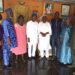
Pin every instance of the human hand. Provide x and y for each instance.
(43, 34)
(28, 39)
(9, 41)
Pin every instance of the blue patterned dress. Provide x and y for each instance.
(8, 32)
(65, 56)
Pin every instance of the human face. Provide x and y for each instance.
(34, 18)
(44, 19)
(21, 21)
(56, 15)
(10, 15)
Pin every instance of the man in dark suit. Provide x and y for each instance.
(57, 26)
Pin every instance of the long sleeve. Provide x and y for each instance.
(62, 25)
(38, 28)
(50, 30)
(4, 25)
(27, 30)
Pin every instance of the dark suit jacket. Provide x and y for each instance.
(56, 28)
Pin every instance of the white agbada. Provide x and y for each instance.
(44, 42)
(32, 33)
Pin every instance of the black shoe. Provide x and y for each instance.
(7, 67)
(29, 58)
(33, 57)
(41, 58)
(54, 57)
(50, 58)
(73, 69)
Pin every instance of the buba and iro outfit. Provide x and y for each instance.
(21, 40)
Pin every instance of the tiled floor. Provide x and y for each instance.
(37, 67)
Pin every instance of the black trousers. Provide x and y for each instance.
(55, 42)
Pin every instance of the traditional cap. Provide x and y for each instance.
(8, 11)
(34, 14)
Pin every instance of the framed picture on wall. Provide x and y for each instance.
(65, 10)
(48, 8)
(1, 6)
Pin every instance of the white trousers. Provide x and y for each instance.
(44, 53)
(31, 49)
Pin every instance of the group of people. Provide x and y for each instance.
(45, 36)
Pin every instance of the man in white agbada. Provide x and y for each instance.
(44, 31)
(32, 35)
